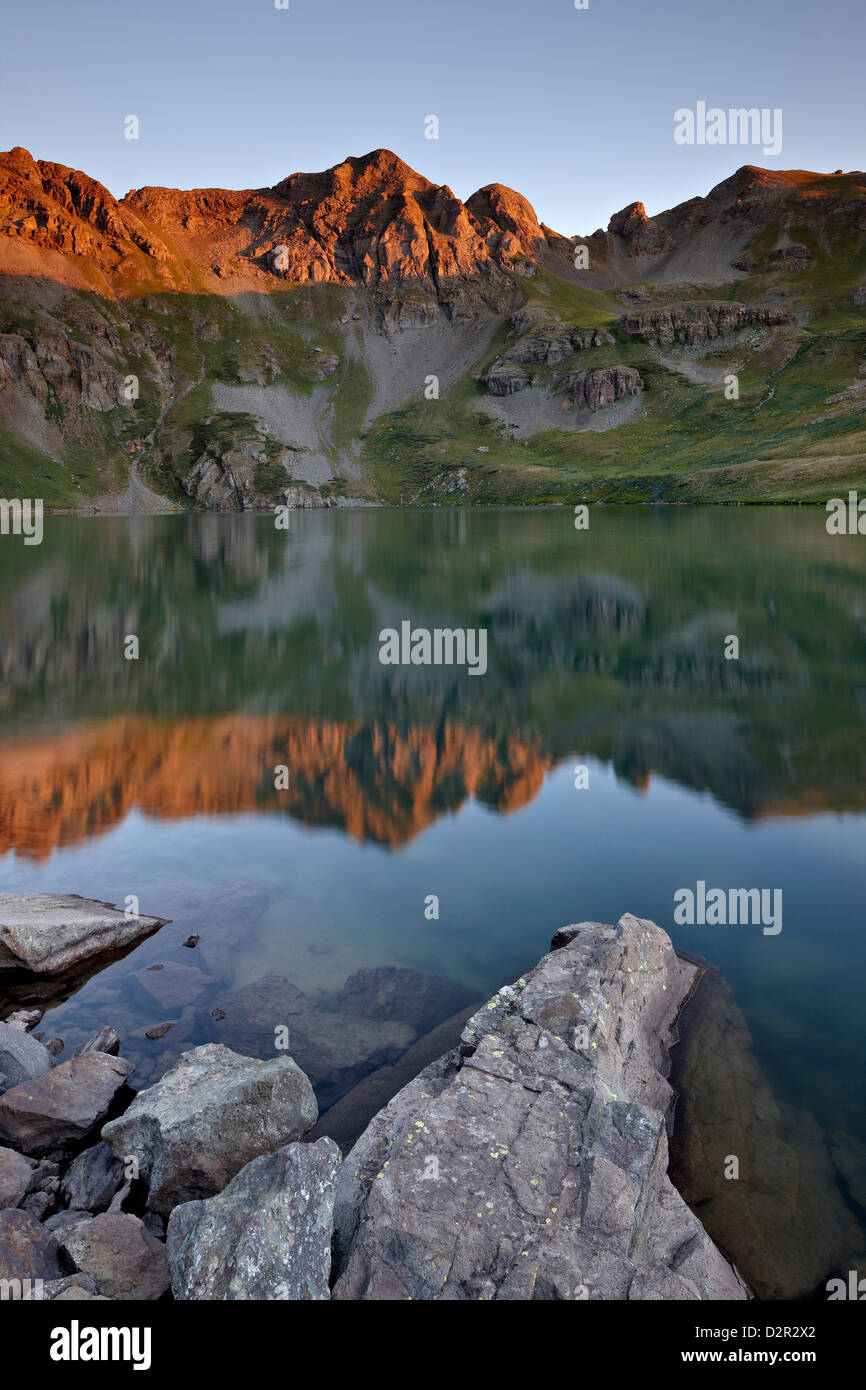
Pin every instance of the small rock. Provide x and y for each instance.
(63, 1219)
(192, 941)
(117, 1201)
(123, 1259)
(159, 1031)
(38, 1204)
(55, 1046)
(73, 1286)
(92, 1179)
(22, 1057)
(15, 1174)
(27, 1250)
(24, 1019)
(154, 1223)
(106, 1040)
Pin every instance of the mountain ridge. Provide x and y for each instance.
(362, 334)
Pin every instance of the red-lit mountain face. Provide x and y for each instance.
(367, 221)
(363, 333)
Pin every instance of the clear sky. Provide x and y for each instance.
(574, 108)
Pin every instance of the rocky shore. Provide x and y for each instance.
(518, 1151)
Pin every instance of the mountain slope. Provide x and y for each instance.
(362, 334)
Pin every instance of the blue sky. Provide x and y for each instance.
(572, 108)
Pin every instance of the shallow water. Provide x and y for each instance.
(259, 648)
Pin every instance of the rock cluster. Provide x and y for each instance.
(602, 387)
(544, 345)
(527, 1162)
(699, 323)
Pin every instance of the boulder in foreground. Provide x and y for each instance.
(531, 1162)
(266, 1236)
(207, 1117)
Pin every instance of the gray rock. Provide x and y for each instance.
(266, 1236)
(117, 1201)
(107, 1040)
(159, 1031)
(22, 1058)
(16, 1172)
(45, 1176)
(207, 1117)
(50, 932)
(61, 1108)
(62, 1219)
(24, 1019)
(92, 1179)
(122, 1258)
(27, 1250)
(531, 1162)
(154, 1223)
(38, 1204)
(76, 1294)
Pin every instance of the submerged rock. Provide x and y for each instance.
(531, 1162)
(47, 933)
(266, 1236)
(782, 1216)
(207, 1117)
(106, 1039)
(60, 1109)
(405, 996)
(335, 1048)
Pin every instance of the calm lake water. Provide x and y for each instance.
(259, 648)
